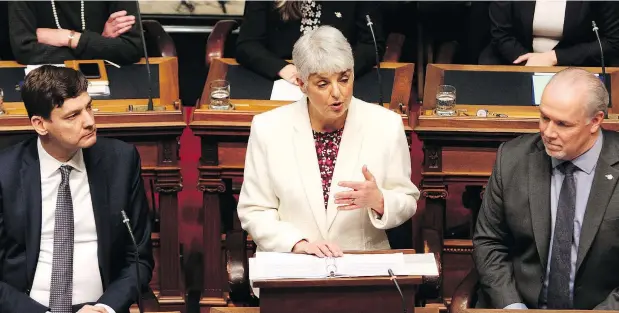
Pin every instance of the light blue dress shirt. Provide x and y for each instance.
(584, 179)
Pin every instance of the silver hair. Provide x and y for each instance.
(597, 95)
(322, 50)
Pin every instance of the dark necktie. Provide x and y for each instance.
(61, 288)
(559, 296)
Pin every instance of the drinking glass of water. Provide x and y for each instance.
(2, 102)
(446, 100)
(220, 95)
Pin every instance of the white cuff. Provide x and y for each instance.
(107, 308)
(516, 306)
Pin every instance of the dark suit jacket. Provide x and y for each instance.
(511, 29)
(115, 184)
(265, 41)
(512, 236)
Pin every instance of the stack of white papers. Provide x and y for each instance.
(98, 88)
(95, 87)
(285, 91)
(272, 265)
(30, 68)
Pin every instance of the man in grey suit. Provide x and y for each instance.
(547, 235)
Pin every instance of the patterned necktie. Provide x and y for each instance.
(61, 288)
(559, 296)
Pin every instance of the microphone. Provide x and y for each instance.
(605, 79)
(150, 106)
(395, 282)
(155, 214)
(137, 258)
(380, 82)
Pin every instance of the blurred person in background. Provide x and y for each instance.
(270, 29)
(549, 33)
(51, 32)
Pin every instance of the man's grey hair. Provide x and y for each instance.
(597, 98)
(323, 50)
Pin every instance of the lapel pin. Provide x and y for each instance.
(609, 177)
(338, 14)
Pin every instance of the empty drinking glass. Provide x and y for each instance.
(220, 95)
(446, 100)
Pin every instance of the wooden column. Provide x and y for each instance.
(211, 184)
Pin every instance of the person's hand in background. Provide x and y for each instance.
(57, 37)
(289, 73)
(538, 59)
(117, 24)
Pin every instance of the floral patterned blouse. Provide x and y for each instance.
(327, 146)
(311, 12)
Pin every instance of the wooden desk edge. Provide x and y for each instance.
(337, 282)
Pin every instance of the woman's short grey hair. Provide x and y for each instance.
(597, 96)
(322, 50)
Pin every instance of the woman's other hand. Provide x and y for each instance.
(320, 249)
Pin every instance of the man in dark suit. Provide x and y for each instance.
(546, 236)
(63, 245)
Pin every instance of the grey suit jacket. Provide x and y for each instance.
(512, 236)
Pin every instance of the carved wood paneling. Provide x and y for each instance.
(435, 193)
(432, 158)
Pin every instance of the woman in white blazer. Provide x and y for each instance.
(356, 149)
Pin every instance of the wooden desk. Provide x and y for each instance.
(154, 133)
(461, 150)
(224, 136)
(334, 295)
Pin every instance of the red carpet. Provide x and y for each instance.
(190, 198)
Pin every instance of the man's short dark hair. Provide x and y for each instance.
(48, 86)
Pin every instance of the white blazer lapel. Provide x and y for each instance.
(346, 164)
(307, 164)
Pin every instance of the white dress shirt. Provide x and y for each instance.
(87, 284)
(548, 22)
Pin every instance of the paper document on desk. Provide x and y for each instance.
(98, 90)
(285, 91)
(540, 80)
(29, 68)
(272, 265)
(423, 264)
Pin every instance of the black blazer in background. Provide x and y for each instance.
(26, 16)
(512, 236)
(265, 41)
(115, 184)
(511, 30)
